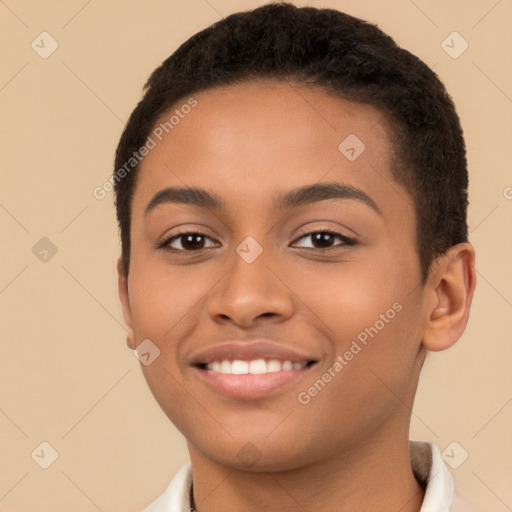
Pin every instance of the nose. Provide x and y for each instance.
(249, 294)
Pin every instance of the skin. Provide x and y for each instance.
(347, 449)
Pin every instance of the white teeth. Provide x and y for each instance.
(239, 367)
(225, 367)
(258, 366)
(287, 365)
(273, 366)
(254, 367)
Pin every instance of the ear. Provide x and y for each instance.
(452, 282)
(124, 297)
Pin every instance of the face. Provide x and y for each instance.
(284, 296)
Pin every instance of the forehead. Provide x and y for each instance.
(266, 136)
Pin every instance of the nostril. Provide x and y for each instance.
(267, 314)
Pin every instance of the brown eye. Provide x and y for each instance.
(188, 242)
(325, 239)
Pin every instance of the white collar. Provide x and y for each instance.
(426, 462)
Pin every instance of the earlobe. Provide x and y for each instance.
(452, 281)
(124, 297)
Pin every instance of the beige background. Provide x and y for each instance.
(67, 377)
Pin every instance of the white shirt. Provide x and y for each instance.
(426, 462)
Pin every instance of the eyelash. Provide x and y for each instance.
(346, 241)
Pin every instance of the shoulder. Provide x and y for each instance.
(432, 472)
(176, 498)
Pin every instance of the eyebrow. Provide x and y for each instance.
(186, 195)
(320, 192)
(297, 197)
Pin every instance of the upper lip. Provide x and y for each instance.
(250, 350)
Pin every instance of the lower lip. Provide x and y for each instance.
(251, 386)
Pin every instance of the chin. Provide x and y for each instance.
(257, 454)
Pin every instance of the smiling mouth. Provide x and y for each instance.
(253, 366)
(252, 370)
(252, 379)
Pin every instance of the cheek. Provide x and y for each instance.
(369, 378)
(162, 297)
(164, 302)
(347, 297)
(371, 318)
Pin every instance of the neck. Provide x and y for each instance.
(363, 478)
